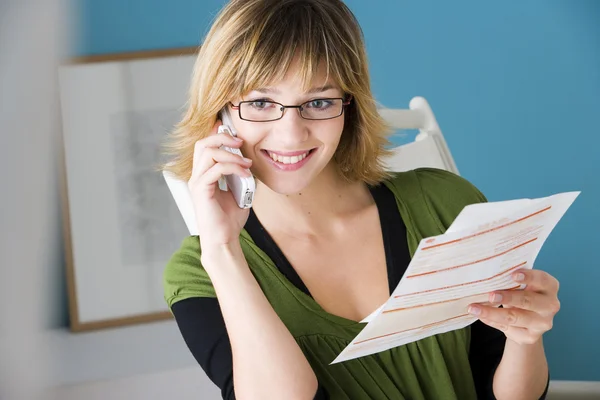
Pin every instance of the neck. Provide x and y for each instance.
(317, 209)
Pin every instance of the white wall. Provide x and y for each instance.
(190, 384)
(182, 384)
(31, 41)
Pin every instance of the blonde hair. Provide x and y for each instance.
(252, 43)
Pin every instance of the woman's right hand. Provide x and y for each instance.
(219, 218)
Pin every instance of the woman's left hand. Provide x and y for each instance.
(525, 314)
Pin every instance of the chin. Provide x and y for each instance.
(286, 185)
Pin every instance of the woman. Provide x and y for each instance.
(265, 299)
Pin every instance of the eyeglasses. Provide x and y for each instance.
(265, 111)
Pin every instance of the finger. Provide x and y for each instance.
(536, 280)
(211, 156)
(517, 334)
(213, 141)
(512, 317)
(527, 300)
(215, 172)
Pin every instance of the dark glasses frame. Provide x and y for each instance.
(345, 102)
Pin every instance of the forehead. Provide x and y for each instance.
(299, 79)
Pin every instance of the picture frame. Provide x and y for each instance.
(120, 223)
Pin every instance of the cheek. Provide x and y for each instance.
(334, 132)
(248, 149)
(251, 135)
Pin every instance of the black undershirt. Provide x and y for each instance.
(203, 328)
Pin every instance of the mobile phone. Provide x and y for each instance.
(242, 188)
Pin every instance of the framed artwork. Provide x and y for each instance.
(121, 224)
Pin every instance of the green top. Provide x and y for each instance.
(436, 367)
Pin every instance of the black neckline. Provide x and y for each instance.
(395, 243)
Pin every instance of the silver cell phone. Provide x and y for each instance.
(242, 188)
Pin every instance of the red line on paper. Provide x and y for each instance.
(473, 262)
(486, 231)
(463, 284)
(443, 301)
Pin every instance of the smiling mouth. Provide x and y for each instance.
(288, 159)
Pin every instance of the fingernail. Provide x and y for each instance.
(247, 160)
(519, 277)
(237, 139)
(474, 310)
(496, 298)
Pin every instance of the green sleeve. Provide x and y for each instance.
(446, 194)
(184, 276)
(430, 199)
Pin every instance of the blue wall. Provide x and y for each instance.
(514, 87)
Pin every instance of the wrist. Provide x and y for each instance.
(516, 353)
(525, 346)
(220, 254)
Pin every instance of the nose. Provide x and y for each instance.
(292, 129)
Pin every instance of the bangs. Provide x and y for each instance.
(292, 32)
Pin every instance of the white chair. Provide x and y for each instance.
(428, 150)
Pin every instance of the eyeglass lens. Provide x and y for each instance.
(261, 110)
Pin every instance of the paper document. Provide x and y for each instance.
(478, 254)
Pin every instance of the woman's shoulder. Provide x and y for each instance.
(437, 192)
(184, 276)
(435, 182)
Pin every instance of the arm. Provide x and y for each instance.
(526, 315)
(201, 324)
(522, 373)
(267, 361)
(500, 371)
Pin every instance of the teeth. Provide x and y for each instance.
(288, 160)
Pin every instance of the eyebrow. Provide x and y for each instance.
(320, 89)
(310, 91)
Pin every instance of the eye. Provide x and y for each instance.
(319, 104)
(260, 104)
